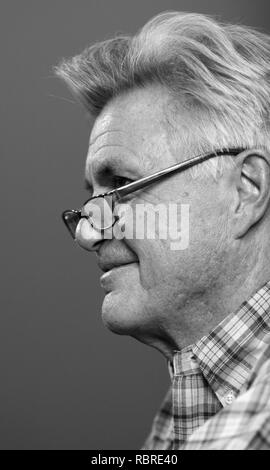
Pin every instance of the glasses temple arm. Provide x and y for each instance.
(143, 182)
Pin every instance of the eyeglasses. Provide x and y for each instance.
(99, 210)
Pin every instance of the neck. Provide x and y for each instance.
(200, 314)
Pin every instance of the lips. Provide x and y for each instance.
(114, 255)
(106, 265)
(117, 277)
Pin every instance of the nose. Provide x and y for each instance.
(86, 236)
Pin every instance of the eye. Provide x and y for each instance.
(119, 181)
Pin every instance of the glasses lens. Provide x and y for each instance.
(71, 220)
(99, 211)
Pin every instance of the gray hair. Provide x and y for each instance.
(220, 71)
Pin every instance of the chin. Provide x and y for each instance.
(120, 314)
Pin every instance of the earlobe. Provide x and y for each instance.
(253, 191)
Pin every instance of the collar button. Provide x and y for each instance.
(229, 398)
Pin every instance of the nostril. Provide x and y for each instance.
(86, 236)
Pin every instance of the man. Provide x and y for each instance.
(185, 86)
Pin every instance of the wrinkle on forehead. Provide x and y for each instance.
(135, 121)
(108, 123)
(94, 139)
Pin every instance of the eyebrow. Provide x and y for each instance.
(104, 168)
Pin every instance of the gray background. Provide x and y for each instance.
(66, 382)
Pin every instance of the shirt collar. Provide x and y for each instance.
(227, 355)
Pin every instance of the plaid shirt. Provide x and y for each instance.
(220, 392)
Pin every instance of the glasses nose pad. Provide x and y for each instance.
(86, 236)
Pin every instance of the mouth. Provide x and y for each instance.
(106, 266)
(113, 274)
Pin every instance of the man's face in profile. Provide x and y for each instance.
(147, 283)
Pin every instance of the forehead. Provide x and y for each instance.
(139, 112)
(132, 122)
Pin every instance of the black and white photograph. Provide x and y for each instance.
(135, 234)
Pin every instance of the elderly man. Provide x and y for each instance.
(182, 116)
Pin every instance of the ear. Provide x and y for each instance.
(252, 185)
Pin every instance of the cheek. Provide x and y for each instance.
(203, 261)
(208, 222)
(156, 262)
